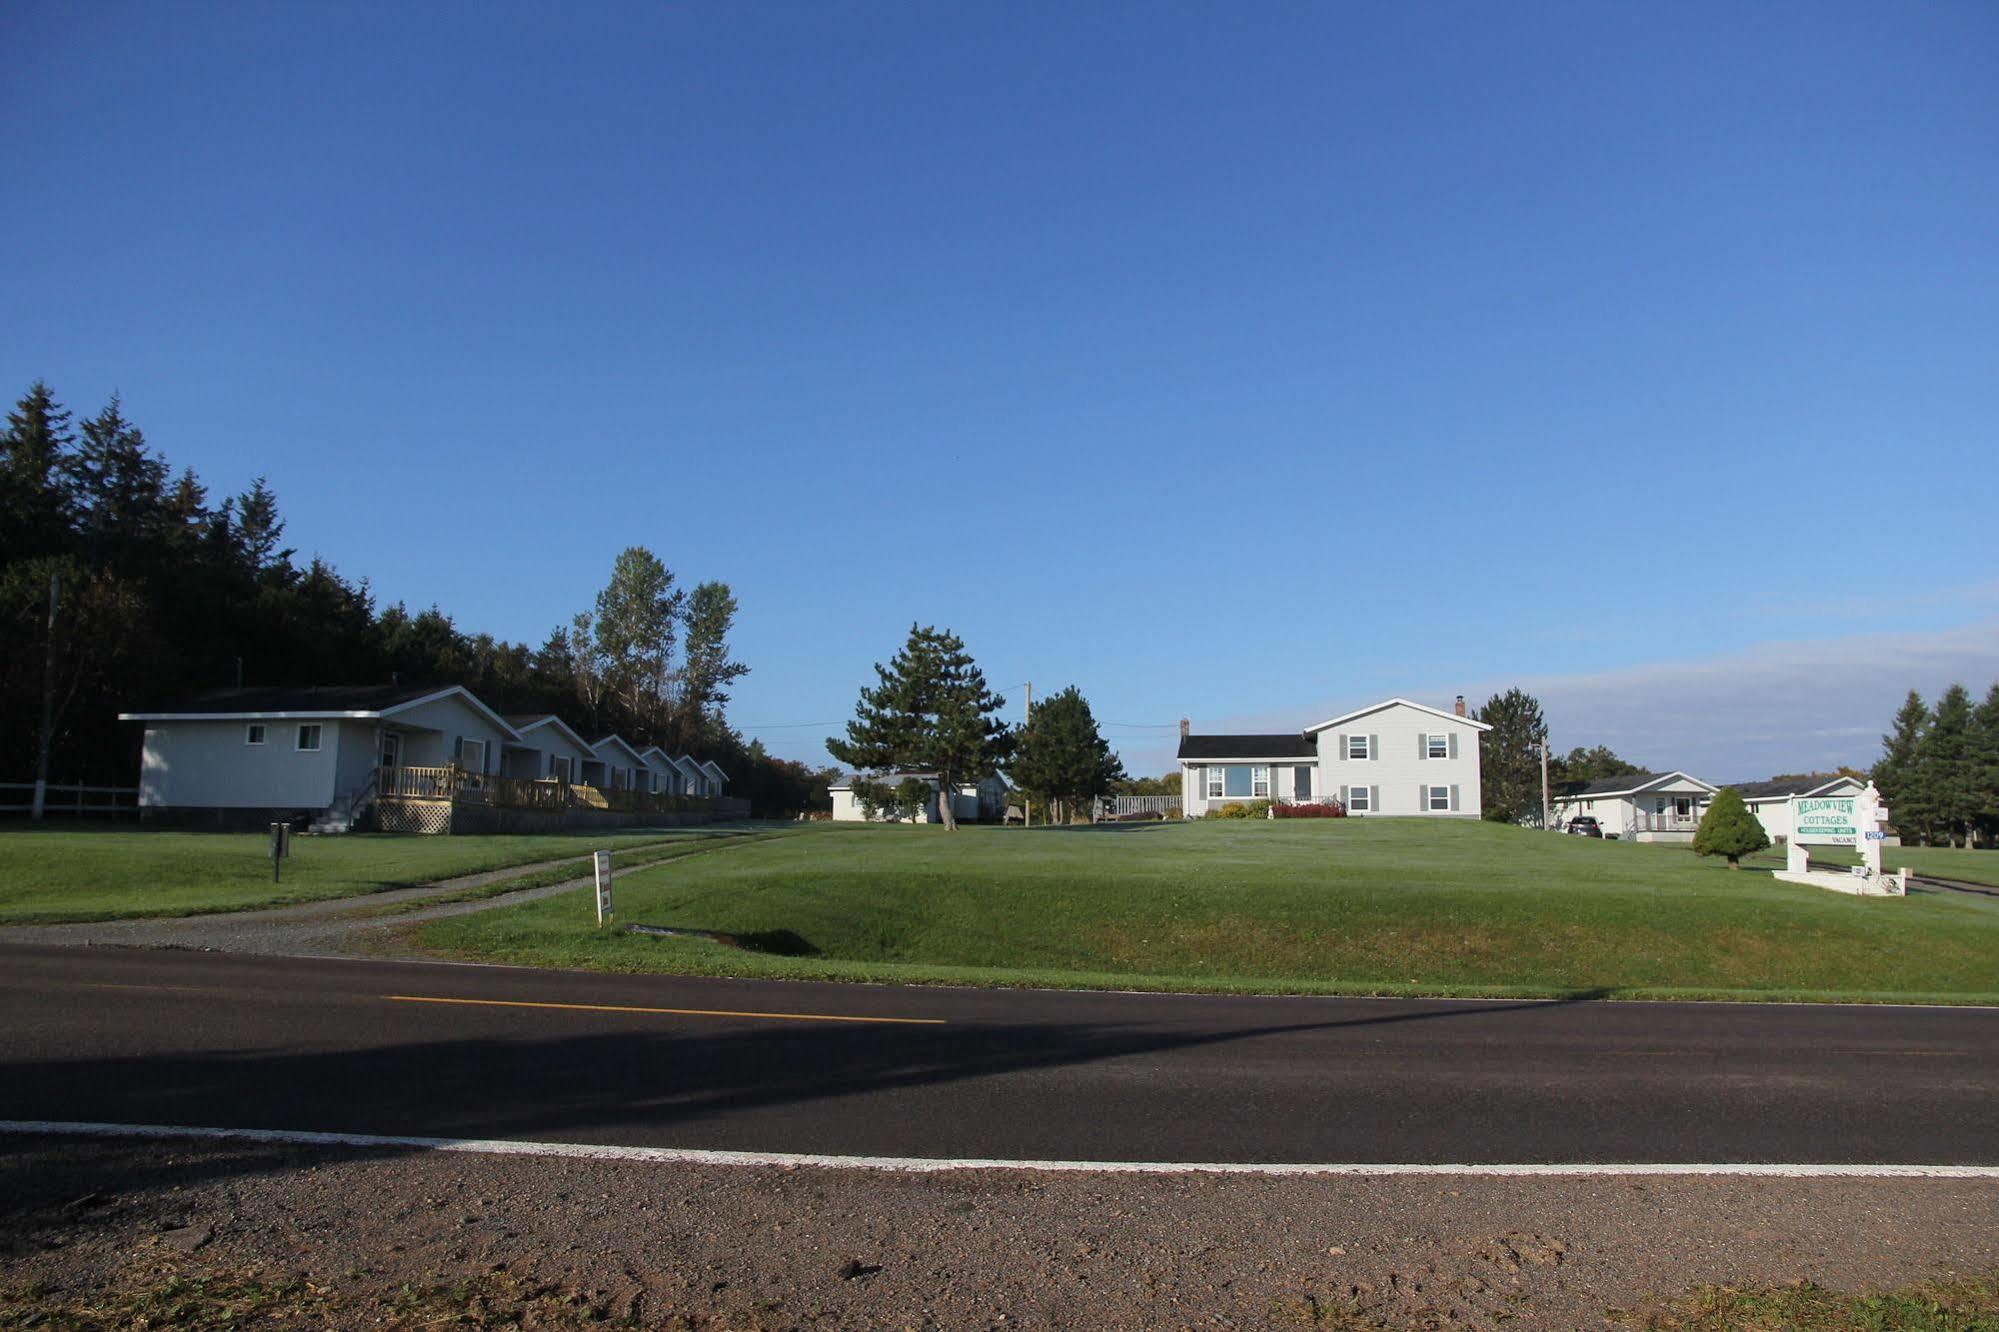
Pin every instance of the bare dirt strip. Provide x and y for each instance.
(341, 1237)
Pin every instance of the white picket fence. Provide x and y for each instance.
(73, 801)
(1166, 806)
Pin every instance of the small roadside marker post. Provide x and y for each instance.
(281, 846)
(601, 862)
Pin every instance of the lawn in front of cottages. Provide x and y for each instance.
(58, 874)
(1390, 906)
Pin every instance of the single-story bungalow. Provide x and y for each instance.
(616, 765)
(1395, 757)
(664, 777)
(983, 801)
(693, 781)
(254, 754)
(549, 750)
(1644, 807)
(1770, 801)
(717, 779)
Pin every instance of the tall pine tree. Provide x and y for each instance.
(931, 712)
(1895, 771)
(1061, 756)
(1985, 765)
(1946, 776)
(1510, 757)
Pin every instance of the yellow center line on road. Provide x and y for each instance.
(674, 1012)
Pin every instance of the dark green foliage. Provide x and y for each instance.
(893, 801)
(1946, 773)
(930, 712)
(1061, 756)
(1985, 765)
(1166, 785)
(1511, 764)
(1894, 773)
(1587, 765)
(164, 593)
(1729, 829)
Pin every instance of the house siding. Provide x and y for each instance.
(1396, 771)
(206, 765)
(1194, 800)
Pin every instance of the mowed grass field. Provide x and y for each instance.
(1938, 861)
(60, 874)
(1382, 906)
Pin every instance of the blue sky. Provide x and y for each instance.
(1232, 362)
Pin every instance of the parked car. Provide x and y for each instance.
(1583, 825)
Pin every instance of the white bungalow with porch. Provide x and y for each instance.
(615, 765)
(549, 750)
(1770, 801)
(250, 755)
(1644, 807)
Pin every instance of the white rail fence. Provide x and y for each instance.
(1166, 806)
(73, 801)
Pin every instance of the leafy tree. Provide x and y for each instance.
(930, 712)
(710, 614)
(1060, 756)
(1729, 829)
(1510, 758)
(1165, 785)
(1588, 765)
(906, 799)
(637, 626)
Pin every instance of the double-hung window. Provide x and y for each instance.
(1259, 783)
(308, 737)
(1357, 800)
(1356, 746)
(1437, 746)
(1440, 797)
(253, 734)
(1214, 783)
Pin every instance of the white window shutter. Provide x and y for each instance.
(1341, 752)
(1454, 744)
(1454, 798)
(1374, 746)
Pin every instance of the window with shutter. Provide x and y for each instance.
(1454, 744)
(1439, 746)
(1374, 746)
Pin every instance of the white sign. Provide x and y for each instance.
(1825, 820)
(601, 862)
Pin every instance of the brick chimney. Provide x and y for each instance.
(1186, 728)
(1460, 708)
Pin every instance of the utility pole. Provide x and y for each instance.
(48, 734)
(1547, 811)
(1026, 716)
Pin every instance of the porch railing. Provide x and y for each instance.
(485, 788)
(1643, 821)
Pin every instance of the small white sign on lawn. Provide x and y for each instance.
(601, 861)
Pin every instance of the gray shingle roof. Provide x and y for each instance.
(1788, 787)
(1610, 785)
(1291, 745)
(317, 698)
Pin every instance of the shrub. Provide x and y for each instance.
(1729, 829)
(1257, 809)
(1235, 809)
(1312, 809)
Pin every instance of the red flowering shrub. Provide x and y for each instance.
(1317, 809)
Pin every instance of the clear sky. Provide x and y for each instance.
(1237, 362)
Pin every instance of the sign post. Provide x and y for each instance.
(1859, 821)
(601, 862)
(281, 847)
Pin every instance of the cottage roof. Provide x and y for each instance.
(314, 702)
(1291, 745)
(1812, 784)
(1630, 784)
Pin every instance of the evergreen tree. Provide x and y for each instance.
(1729, 829)
(35, 497)
(1510, 757)
(255, 529)
(120, 488)
(1946, 777)
(931, 712)
(1061, 756)
(1985, 765)
(1895, 771)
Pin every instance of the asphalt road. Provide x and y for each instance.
(186, 1038)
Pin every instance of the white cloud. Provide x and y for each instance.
(1775, 707)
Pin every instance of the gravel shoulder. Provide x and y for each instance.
(752, 1248)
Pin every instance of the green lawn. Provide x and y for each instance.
(61, 874)
(1358, 905)
(1940, 861)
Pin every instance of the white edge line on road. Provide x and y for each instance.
(927, 1165)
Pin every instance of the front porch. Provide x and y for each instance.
(455, 799)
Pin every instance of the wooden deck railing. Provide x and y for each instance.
(486, 788)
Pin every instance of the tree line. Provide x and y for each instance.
(124, 582)
(1939, 769)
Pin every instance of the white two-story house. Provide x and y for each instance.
(1393, 758)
